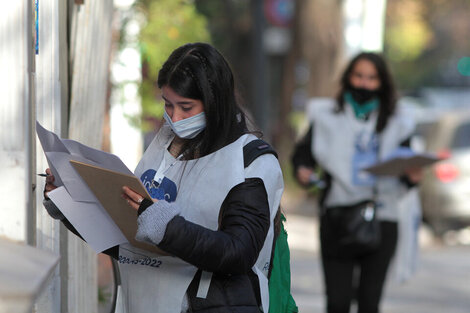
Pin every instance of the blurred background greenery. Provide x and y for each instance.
(424, 41)
(284, 52)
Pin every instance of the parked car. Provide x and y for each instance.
(445, 188)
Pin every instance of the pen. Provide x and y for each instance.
(43, 175)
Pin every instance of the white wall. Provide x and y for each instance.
(15, 110)
(36, 87)
(51, 108)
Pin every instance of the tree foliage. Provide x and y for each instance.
(408, 33)
(168, 24)
(424, 41)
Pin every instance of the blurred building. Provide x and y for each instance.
(363, 25)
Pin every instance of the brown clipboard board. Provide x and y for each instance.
(398, 166)
(107, 185)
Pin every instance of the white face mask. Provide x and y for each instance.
(189, 127)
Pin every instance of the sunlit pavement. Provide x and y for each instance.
(306, 276)
(441, 283)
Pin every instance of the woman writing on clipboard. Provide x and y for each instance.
(209, 212)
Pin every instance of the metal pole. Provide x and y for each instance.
(30, 151)
(260, 95)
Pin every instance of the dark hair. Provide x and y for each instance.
(198, 71)
(386, 93)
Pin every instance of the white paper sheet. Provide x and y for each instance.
(111, 161)
(90, 220)
(59, 152)
(70, 179)
(73, 197)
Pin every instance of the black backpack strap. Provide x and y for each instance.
(251, 151)
(254, 149)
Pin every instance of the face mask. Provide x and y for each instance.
(189, 127)
(362, 110)
(362, 95)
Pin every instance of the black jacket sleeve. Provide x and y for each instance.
(302, 155)
(235, 246)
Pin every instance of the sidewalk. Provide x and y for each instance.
(440, 284)
(302, 229)
(300, 211)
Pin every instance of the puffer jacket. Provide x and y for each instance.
(229, 253)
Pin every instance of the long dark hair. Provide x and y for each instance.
(386, 93)
(198, 71)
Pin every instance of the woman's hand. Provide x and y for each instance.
(303, 175)
(49, 183)
(133, 198)
(414, 174)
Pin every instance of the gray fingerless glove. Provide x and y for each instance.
(152, 222)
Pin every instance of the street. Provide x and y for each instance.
(440, 284)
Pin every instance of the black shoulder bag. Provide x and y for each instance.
(353, 229)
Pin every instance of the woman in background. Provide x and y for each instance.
(362, 125)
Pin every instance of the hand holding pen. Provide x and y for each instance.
(49, 182)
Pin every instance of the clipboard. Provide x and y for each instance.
(397, 166)
(107, 185)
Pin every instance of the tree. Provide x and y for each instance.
(167, 25)
(311, 66)
(425, 39)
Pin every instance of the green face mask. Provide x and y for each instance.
(362, 110)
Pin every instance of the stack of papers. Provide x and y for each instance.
(89, 195)
(400, 161)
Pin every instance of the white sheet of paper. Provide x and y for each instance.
(71, 180)
(59, 152)
(73, 197)
(97, 157)
(89, 219)
(49, 140)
